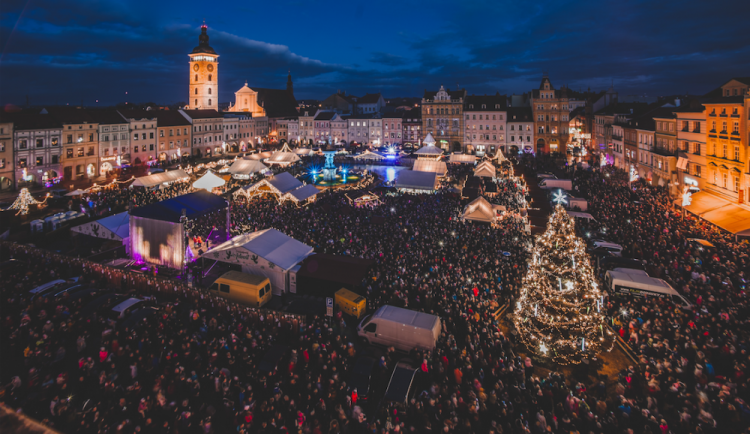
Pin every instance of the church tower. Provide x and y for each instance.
(289, 85)
(204, 75)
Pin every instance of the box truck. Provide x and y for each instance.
(565, 184)
(400, 328)
(248, 289)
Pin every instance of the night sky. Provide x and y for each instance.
(59, 52)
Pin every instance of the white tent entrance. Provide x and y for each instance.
(269, 253)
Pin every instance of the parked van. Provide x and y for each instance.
(614, 249)
(350, 303)
(400, 328)
(565, 184)
(637, 283)
(248, 289)
(124, 309)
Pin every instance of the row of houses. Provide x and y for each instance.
(47, 146)
(684, 144)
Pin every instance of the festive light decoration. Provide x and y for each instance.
(559, 197)
(24, 200)
(559, 312)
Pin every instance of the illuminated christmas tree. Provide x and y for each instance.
(560, 314)
(23, 201)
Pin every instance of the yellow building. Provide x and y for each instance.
(204, 75)
(727, 142)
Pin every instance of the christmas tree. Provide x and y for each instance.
(23, 201)
(560, 313)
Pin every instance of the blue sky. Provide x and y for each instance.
(65, 52)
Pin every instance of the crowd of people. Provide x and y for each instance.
(195, 366)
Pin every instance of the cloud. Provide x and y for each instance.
(387, 59)
(58, 51)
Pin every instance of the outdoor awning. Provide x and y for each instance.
(246, 167)
(269, 244)
(479, 210)
(682, 163)
(209, 181)
(583, 215)
(409, 179)
(114, 227)
(303, 193)
(367, 155)
(160, 178)
(463, 158)
(436, 166)
(485, 169)
(724, 214)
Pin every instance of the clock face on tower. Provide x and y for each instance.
(196, 67)
(210, 68)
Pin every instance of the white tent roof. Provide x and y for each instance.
(283, 156)
(499, 156)
(114, 227)
(429, 140)
(160, 178)
(260, 156)
(209, 181)
(412, 180)
(369, 155)
(305, 192)
(479, 210)
(303, 151)
(269, 244)
(246, 167)
(285, 182)
(486, 169)
(429, 150)
(463, 158)
(436, 166)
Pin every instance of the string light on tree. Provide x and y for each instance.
(23, 201)
(559, 312)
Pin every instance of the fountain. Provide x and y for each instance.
(329, 169)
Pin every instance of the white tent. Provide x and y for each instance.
(485, 169)
(479, 210)
(269, 253)
(209, 181)
(242, 169)
(581, 215)
(436, 166)
(301, 194)
(429, 140)
(279, 185)
(259, 156)
(420, 181)
(367, 155)
(463, 158)
(303, 151)
(499, 156)
(77, 192)
(283, 157)
(160, 178)
(114, 227)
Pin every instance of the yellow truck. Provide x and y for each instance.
(247, 289)
(350, 303)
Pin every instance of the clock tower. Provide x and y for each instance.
(204, 74)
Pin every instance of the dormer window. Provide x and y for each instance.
(471, 106)
(484, 106)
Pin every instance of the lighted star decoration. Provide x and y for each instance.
(559, 197)
(543, 348)
(569, 285)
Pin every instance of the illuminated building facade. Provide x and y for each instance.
(442, 115)
(204, 75)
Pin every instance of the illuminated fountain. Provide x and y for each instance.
(329, 169)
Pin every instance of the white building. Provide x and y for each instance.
(519, 131)
(114, 139)
(37, 145)
(485, 123)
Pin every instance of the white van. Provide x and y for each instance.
(637, 283)
(565, 184)
(124, 309)
(400, 328)
(613, 248)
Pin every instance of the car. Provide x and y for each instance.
(124, 309)
(613, 248)
(55, 288)
(102, 303)
(136, 319)
(400, 387)
(361, 376)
